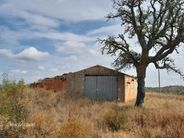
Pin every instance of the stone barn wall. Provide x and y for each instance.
(74, 83)
(130, 88)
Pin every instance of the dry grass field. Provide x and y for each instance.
(46, 114)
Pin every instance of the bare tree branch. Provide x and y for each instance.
(155, 24)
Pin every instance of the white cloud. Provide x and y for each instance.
(39, 21)
(63, 36)
(19, 71)
(54, 69)
(86, 56)
(71, 58)
(6, 52)
(89, 56)
(29, 54)
(110, 30)
(40, 67)
(12, 37)
(70, 10)
(70, 47)
(9, 37)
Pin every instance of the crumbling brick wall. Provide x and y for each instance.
(54, 84)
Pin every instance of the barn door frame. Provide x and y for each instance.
(113, 95)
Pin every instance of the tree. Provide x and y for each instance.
(157, 27)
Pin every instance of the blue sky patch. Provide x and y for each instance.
(44, 38)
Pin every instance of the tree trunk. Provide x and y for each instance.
(140, 91)
(141, 74)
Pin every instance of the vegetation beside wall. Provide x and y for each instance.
(40, 113)
(12, 110)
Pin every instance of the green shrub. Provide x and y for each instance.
(10, 96)
(115, 119)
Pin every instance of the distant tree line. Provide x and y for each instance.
(179, 90)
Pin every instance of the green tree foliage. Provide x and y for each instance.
(156, 26)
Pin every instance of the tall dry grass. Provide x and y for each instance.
(54, 115)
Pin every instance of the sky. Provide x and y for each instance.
(45, 38)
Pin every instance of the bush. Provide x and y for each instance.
(115, 119)
(76, 128)
(167, 124)
(10, 95)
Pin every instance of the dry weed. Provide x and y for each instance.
(53, 115)
(76, 128)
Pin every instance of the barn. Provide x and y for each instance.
(97, 83)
